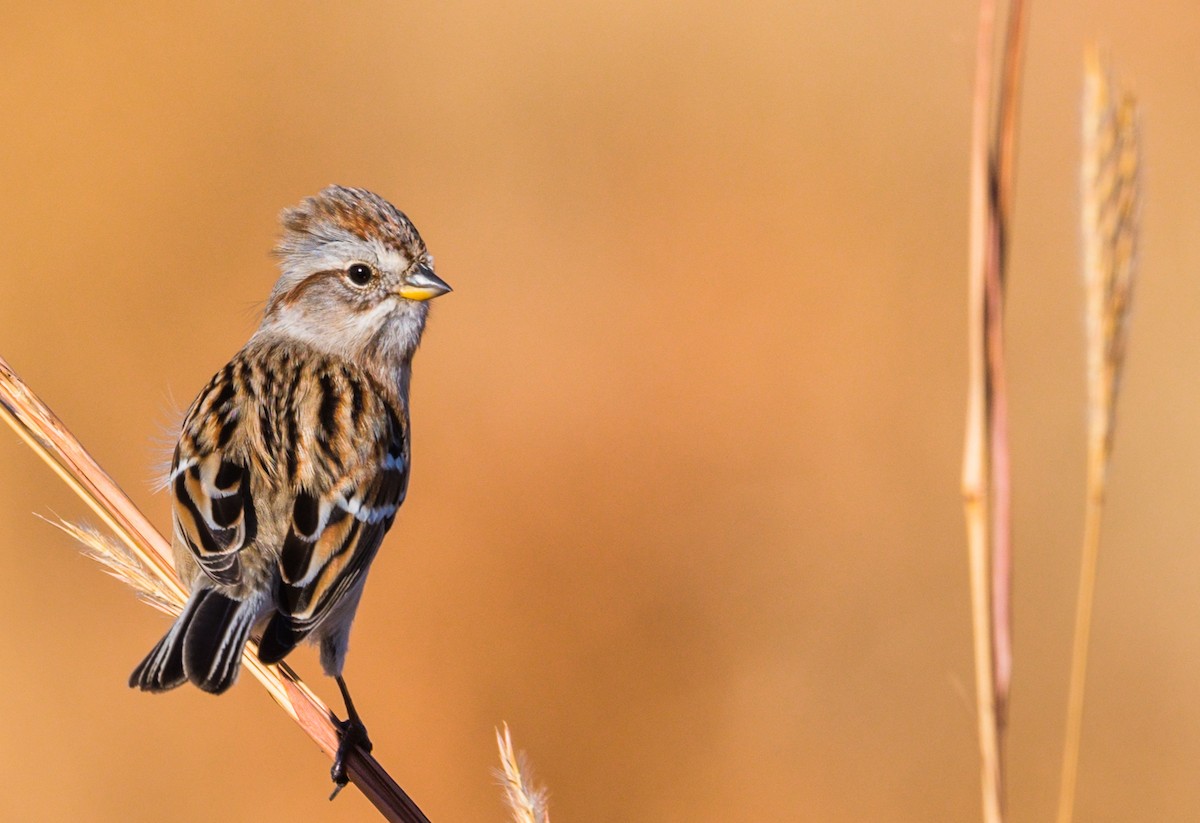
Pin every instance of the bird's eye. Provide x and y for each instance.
(360, 274)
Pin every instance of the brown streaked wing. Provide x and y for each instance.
(213, 507)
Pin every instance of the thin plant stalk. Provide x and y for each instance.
(986, 480)
(1110, 182)
(976, 488)
(33, 421)
(1006, 158)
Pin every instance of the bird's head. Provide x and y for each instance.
(356, 277)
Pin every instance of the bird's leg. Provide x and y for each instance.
(351, 733)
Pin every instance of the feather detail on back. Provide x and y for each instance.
(283, 431)
(293, 437)
(335, 531)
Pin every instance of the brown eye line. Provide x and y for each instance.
(360, 274)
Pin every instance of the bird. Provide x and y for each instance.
(293, 460)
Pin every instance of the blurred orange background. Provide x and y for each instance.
(685, 506)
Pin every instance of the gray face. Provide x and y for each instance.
(356, 277)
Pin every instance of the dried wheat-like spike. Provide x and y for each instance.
(527, 802)
(1111, 184)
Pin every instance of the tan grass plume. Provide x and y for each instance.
(1111, 189)
(120, 562)
(526, 802)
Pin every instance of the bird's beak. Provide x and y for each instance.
(422, 284)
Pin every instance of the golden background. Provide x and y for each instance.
(685, 508)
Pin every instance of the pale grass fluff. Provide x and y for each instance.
(121, 563)
(527, 803)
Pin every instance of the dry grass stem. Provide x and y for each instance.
(142, 561)
(976, 493)
(1110, 179)
(526, 802)
(1005, 153)
(986, 477)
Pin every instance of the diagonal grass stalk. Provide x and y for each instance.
(143, 549)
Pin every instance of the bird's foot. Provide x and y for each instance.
(351, 734)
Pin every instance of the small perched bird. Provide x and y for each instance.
(293, 460)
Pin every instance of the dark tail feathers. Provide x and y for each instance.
(204, 645)
(279, 638)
